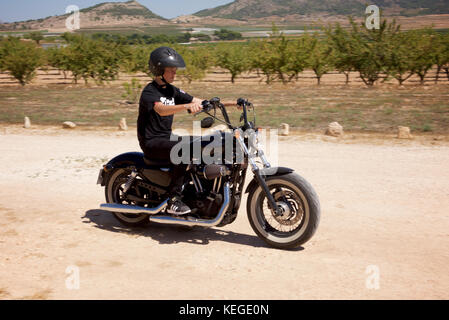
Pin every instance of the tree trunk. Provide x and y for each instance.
(447, 72)
(421, 77)
(347, 77)
(402, 79)
(437, 76)
(369, 82)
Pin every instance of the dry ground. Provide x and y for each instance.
(384, 204)
(304, 106)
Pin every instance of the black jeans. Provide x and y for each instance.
(159, 149)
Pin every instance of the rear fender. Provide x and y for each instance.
(124, 160)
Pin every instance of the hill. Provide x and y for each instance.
(246, 9)
(107, 14)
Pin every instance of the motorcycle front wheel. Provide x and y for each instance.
(300, 211)
(114, 194)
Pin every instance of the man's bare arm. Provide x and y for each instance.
(226, 103)
(194, 107)
(164, 110)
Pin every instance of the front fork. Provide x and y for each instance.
(256, 171)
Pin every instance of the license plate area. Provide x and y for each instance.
(100, 177)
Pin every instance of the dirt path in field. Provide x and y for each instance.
(384, 231)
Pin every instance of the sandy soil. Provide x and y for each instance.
(383, 232)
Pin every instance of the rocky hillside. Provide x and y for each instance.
(105, 14)
(243, 9)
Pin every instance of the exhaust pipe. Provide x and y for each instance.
(124, 208)
(190, 221)
(181, 220)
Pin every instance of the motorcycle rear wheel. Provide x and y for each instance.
(114, 194)
(301, 207)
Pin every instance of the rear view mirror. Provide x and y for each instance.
(207, 122)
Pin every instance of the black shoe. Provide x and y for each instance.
(177, 207)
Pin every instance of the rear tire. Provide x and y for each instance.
(113, 191)
(301, 206)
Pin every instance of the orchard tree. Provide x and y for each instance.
(441, 54)
(368, 49)
(399, 59)
(198, 61)
(263, 59)
(134, 59)
(35, 36)
(20, 59)
(97, 60)
(342, 56)
(272, 56)
(59, 59)
(423, 53)
(233, 58)
(281, 56)
(298, 56)
(320, 58)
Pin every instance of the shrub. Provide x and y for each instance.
(21, 59)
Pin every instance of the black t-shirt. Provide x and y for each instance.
(149, 123)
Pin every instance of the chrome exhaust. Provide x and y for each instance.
(125, 208)
(180, 220)
(190, 221)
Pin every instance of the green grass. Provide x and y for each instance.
(306, 108)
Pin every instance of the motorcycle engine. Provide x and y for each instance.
(209, 207)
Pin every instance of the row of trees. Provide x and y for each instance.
(376, 55)
(98, 60)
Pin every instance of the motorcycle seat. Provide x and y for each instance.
(161, 164)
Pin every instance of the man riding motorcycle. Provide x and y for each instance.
(159, 101)
(283, 208)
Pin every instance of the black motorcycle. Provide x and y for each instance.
(283, 208)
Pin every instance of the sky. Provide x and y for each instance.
(21, 10)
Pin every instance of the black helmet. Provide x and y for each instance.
(163, 57)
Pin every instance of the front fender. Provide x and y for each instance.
(276, 171)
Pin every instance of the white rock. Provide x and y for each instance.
(285, 129)
(122, 125)
(68, 125)
(27, 123)
(404, 133)
(334, 129)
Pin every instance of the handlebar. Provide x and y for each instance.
(215, 103)
(243, 102)
(207, 105)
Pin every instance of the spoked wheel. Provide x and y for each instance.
(114, 194)
(300, 212)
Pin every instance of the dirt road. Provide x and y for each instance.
(384, 230)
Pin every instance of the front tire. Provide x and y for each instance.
(301, 212)
(114, 194)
